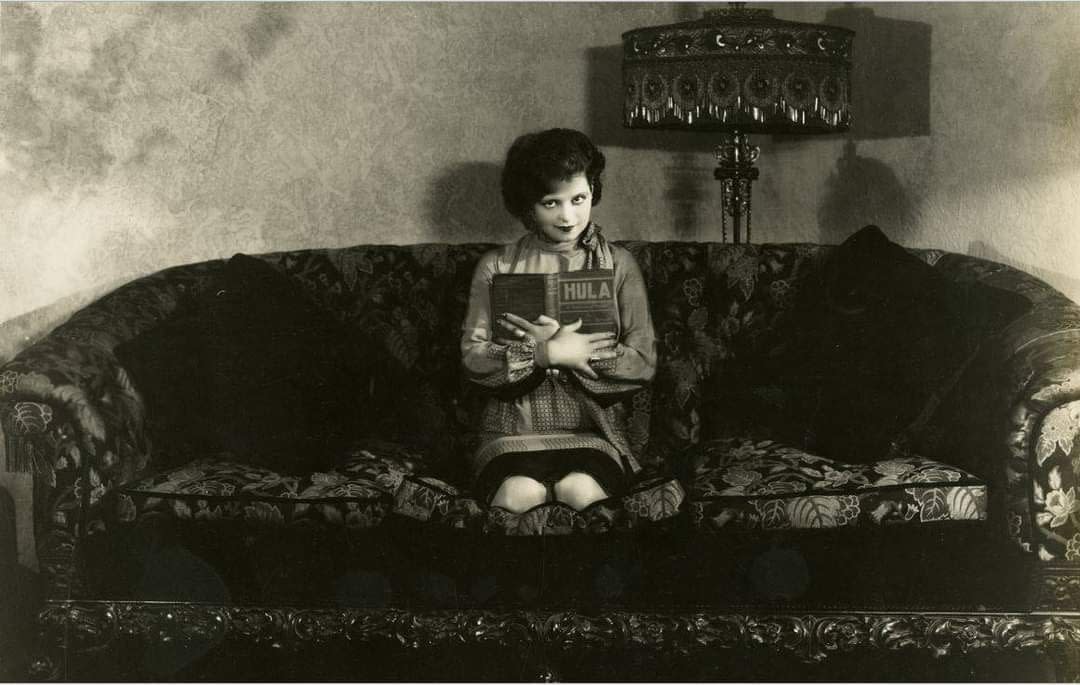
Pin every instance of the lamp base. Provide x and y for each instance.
(735, 170)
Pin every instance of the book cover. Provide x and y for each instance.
(565, 297)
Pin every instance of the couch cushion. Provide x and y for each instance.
(255, 368)
(762, 484)
(357, 494)
(375, 479)
(870, 348)
(409, 301)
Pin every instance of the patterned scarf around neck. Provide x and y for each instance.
(597, 250)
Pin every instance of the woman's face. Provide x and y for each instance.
(563, 214)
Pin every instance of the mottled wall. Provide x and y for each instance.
(995, 174)
(134, 137)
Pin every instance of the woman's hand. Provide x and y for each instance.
(572, 350)
(540, 330)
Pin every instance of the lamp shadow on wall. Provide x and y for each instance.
(861, 191)
(890, 98)
(463, 204)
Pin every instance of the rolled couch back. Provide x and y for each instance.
(711, 304)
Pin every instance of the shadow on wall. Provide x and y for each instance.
(863, 191)
(890, 74)
(465, 200)
(688, 196)
(890, 98)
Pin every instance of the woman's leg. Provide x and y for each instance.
(519, 494)
(579, 490)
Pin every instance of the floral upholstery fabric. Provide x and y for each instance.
(356, 494)
(715, 302)
(761, 484)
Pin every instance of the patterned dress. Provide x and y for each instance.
(533, 410)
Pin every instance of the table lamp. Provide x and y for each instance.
(735, 72)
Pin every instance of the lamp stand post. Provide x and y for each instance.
(735, 170)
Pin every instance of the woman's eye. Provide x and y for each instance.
(579, 199)
(547, 204)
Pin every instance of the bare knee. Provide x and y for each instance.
(519, 494)
(579, 490)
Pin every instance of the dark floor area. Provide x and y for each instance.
(408, 566)
(20, 598)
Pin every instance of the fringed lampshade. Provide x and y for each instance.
(738, 71)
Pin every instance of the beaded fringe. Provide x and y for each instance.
(690, 115)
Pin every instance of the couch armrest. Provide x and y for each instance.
(78, 434)
(1014, 418)
(1043, 469)
(71, 416)
(1036, 384)
(72, 390)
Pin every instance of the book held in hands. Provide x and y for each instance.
(566, 297)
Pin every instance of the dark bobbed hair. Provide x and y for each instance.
(537, 161)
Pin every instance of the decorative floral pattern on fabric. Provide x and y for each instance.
(356, 494)
(751, 483)
(1054, 490)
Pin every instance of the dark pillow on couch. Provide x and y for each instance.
(874, 343)
(254, 367)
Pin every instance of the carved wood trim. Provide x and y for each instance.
(1057, 588)
(96, 625)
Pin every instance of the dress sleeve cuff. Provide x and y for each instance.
(520, 358)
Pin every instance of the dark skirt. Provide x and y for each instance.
(549, 467)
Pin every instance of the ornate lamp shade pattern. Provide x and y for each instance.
(738, 69)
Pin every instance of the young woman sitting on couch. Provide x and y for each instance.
(554, 426)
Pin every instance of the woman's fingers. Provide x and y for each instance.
(586, 370)
(593, 337)
(545, 320)
(516, 331)
(516, 320)
(601, 355)
(520, 326)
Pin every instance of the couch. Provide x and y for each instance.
(958, 535)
